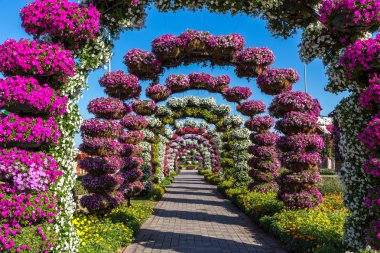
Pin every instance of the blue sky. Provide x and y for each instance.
(254, 31)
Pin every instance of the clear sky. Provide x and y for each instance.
(253, 30)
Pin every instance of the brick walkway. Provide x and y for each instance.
(193, 218)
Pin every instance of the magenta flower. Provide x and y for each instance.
(158, 92)
(237, 93)
(26, 95)
(276, 81)
(28, 132)
(144, 107)
(66, 22)
(134, 122)
(251, 108)
(37, 59)
(295, 101)
(27, 171)
(259, 124)
(143, 64)
(120, 85)
(101, 128)
(108, 108)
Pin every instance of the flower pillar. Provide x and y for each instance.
(301, 148)
(265, 163)
(369, 101)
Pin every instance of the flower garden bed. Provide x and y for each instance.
(116, 230)
(301, 230)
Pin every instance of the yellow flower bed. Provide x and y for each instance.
(113, 231)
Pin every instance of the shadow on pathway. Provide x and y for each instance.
(193, 218)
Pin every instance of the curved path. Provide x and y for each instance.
(193, 217)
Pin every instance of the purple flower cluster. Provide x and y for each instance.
(237, 93)
(134, 122)
(301, 148)
(158, 92)
(251, 108)
(101, 128)
(144, 107)
(120, 85)
(265, 138)
(37, 59)
(132, 162)
(28, 209)
(24, 131)
(101, 165)
(372, 167)
(132, 189)
(301, 142)
(361, 57)
(173, 49)
(303, 199)
(196, 42)
(178, 83)
(19, 210)
(100, 146)
(28, 171)
(26, 95)
(108, 108)
(259, 124)
(132, 137)
(293, 101)
(143, 64)
(276, 81)
(102, 204)
(350, 18)
(66, 22)
(252, 61)
(265, 162)
(131, 176)
(102, 184)
(370, 97)
(297, 122)
(167, 47)
(370, 137)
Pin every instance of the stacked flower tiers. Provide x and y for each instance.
(198, 46)
(29, 130)
(301, 148)
(111, 169)
(265, 163)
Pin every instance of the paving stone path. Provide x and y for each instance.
(193, 217)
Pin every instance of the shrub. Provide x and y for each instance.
(306, 230)
(330, 185)
(256, 204)
(156, 193)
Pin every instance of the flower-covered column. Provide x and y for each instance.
(369, 100)
(265, 163)
(301, 148)
(132, 167)
(100, 141)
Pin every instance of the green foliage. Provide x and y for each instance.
(156, 193)
(327, 171)
(114, 231)
(213, 179)
(204, 172)
(257, 205)
(225, 185)
(78, 187)
(308, 230)
(330, 184)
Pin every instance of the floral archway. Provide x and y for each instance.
(336, 31)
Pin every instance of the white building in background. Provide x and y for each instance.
(323, 129)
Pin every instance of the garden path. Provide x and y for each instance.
(193, 217)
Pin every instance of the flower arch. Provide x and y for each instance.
(330, 29)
